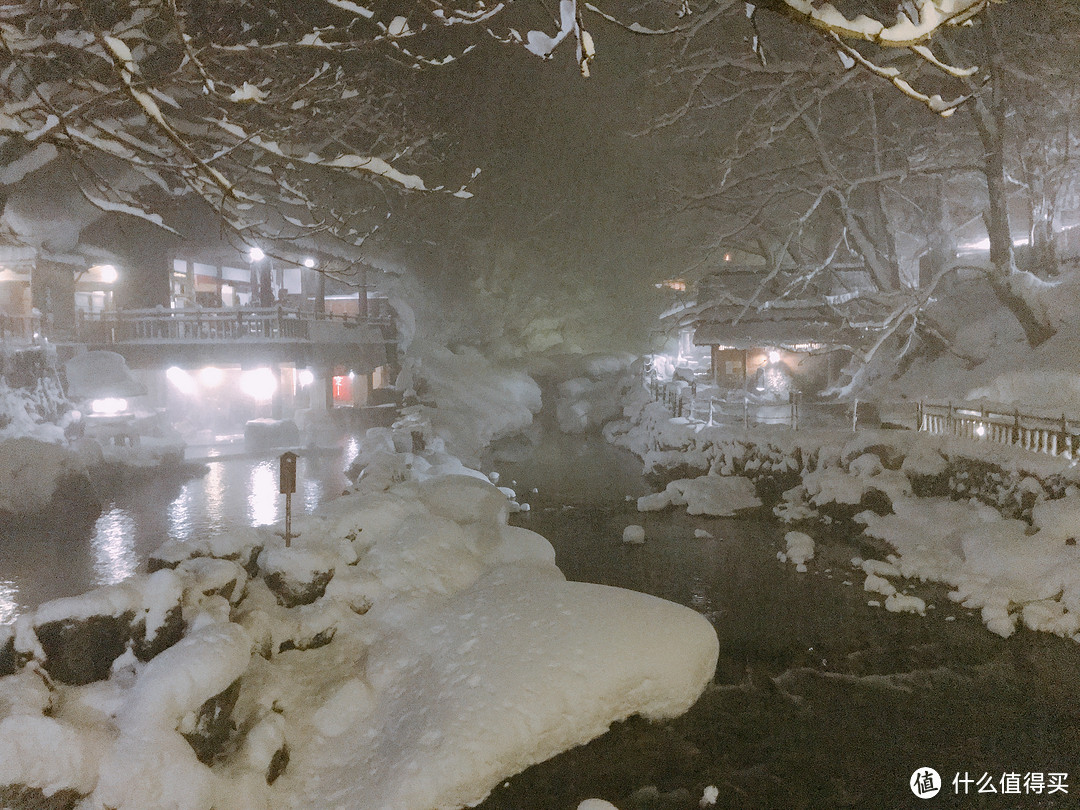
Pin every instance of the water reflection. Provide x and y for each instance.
(263, 494)
(214, 493)
(9, 607)
(46, 563)
(180, 513)
(114, 547)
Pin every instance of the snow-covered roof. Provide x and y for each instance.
(743, 328)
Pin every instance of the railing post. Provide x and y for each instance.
(1016, 428)
(712, 403)
(280, 322)
(745, 410)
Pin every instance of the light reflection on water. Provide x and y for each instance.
(114, 547)
(66, 560)
(9, 606)
(263, 495)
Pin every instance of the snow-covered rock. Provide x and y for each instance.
(445, 653)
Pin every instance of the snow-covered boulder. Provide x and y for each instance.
(38, 478)
(714, 495)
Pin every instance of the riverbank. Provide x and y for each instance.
(820, 699)
(997, 524)
(408, 634)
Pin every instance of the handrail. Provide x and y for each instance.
(264, 323)
(992, 422)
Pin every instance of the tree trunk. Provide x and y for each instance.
(990, 123)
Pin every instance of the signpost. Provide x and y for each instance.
(287, 488)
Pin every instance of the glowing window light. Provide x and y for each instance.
(183, 381)
(256, 254)
(108, 273)
(109, 406)
(305, 377)
(211, 377)
(259, 384)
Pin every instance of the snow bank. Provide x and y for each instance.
(422, 651)
(1010, 571)
(518, 667)
(96, 374)
(1001, 529)
(589, 401)
(990, 358)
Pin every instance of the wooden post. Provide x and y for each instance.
(287, 486)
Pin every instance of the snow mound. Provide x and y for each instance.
(715, 495)
(520, 666)
(425, 652)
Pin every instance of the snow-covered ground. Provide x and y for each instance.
(998, 525)
(408, 649)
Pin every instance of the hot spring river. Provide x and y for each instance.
(819, 701)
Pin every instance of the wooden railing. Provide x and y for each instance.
(740, 408)
(148, 325)
(1056, 436)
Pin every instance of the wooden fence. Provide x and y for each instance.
(983, 422)
(1055, 436)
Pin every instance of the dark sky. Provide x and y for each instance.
(570, 205)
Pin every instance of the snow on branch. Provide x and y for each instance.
(260, 115)
(912, 29)
(917, 22)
